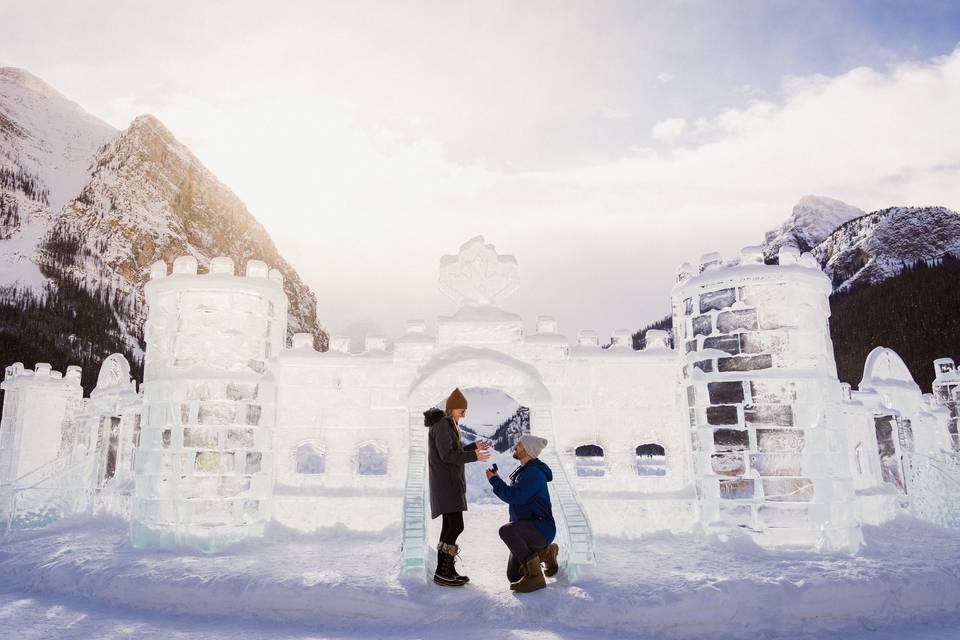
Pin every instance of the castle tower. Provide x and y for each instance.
(770, 456)
(37, 416)
(945, 393)
(203, 468)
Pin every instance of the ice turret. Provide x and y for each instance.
(764, 399)
(38, 411)
(203, 472)
(945, 393)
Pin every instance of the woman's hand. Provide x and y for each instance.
(483, 445)
(482, 454)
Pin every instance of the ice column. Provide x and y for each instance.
(764, 400)
(38, 411)
(203, 466)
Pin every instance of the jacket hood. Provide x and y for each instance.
(432, 416)
(547, 471)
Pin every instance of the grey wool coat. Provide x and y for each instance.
(445, 459)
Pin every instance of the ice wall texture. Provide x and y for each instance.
(204, 461)
(770, 455)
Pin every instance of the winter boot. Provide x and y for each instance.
(454, 551)
(548, 557)
(444, 575)
(532, 579)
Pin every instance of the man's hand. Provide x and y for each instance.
(490, 474)
(482, 455)
(483, 445)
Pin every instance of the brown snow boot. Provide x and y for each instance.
(532, 579)
(548, 557)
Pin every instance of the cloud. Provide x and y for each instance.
(669, 130)
(364, 211)
(871, 138)
(664, 77)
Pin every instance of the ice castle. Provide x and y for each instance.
(740, 427)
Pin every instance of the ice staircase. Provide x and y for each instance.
(935, 488)
(48, 493)
(574, 534)
(414, 545)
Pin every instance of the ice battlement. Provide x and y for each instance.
(255, 270)
(216, 320)
(749, 265)
(42, 373)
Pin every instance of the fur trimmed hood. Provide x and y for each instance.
(432, 416)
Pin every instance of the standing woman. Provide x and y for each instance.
(446, 457)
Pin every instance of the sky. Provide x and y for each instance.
(601, 143)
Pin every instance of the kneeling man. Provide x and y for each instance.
(531, 530)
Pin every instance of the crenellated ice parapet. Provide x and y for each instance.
(763, 399)
(38, 411)
(216, 320)
(204, 463)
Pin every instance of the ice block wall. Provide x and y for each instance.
(38, 409)
(770, 452)
(203, 465)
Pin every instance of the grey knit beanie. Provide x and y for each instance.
(533, 445)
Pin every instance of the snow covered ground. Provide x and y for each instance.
(81, 579)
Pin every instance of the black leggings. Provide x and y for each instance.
(452, 527)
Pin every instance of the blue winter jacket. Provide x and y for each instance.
(528, 496)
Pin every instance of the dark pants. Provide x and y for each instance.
(523, 539)
(452, 527)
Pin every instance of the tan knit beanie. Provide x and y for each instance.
(456, 401)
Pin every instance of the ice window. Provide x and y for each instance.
(589, 461)
(372, 460)
(112, 436)
(311, 459)
(651, 460)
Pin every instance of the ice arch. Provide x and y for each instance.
(467, 367)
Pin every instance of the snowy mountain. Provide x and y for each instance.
(879, 245)
(812, 220)
(84, 211)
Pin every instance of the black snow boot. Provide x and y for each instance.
(445, 575)
(454, 551)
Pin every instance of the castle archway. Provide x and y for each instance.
(466, 368)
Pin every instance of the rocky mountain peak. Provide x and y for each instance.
(28, 81)
(813, 219)
(879, 245)
(84, 211)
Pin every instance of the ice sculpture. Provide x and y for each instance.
(203, 469)
(763, 400)
(478, 275)
(741, 423)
